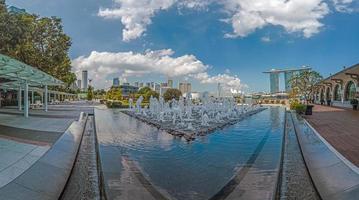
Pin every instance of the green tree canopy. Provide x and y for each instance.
(304, 83)
(36, 41)
(90, 93)
(144, 90)
(114, 94)
(172, 93)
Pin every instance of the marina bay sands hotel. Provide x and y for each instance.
(288, 74)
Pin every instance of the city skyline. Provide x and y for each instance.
(205, 36)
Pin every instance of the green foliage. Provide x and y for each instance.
(172, 93)
(298, 107)
(90, 93)
(114, 104)
(36, 41)
(304, 83)
(114, 94)
(354, 102)
(144, 90)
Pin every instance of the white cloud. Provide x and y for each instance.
(265, 39)
(135, 15)
(343, 5)
(245, 16)
(104, 65)
(293, 15)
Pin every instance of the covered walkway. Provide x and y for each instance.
(18, 76)
(338, 126)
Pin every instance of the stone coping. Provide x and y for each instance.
(333, 176)
(47, 177)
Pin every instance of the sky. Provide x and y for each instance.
(204, 42)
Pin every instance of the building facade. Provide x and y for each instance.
(185, 87)
(84, 80)
(116, 82)
(339, 89)
(127, 89)
(170, 83)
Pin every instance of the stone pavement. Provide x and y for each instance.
(15, 158)
(340, 127)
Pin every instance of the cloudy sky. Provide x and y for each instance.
(205, 41)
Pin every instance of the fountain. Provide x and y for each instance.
(184, 118)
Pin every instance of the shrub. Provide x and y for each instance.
(277, 101)
(282, 102)
(298, 107)
(114, 104)
(354, 102)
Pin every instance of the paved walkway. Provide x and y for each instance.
(16, 157)
(340, 127)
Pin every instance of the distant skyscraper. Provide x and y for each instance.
(185, 87)
(84, 80)
(274, 82)
(170, 83)
(157, 87)
(141, 85)
(116, 82)
(136, 84)
(148, 85)
(288, 74)
(79, 84)
(164, 84)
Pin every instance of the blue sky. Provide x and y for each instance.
(196, 32)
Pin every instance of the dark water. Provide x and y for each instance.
(198, 170)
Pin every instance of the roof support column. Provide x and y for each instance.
(45, 98)
(26, 100)
(19, 98)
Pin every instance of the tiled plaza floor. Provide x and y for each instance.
(340, 127)
(16, 158)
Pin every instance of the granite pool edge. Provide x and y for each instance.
(47, 177)
(334, 176)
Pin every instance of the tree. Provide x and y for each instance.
(144, 90)
(304, 83)
(172, 93)
(90, 93)
(114, 94)
(36, 41)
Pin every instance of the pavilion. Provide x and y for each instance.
(18, 76)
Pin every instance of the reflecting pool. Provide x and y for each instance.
(240, 158)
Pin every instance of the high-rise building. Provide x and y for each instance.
(288, 74)
(79, 84)
(185, 87)
(157, 87)
(274, 82)
(170, 83)
(164, 84)
(84, 80)
(116, 82)
(141, 85)
(136, 84)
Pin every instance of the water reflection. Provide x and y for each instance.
(198, 170)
